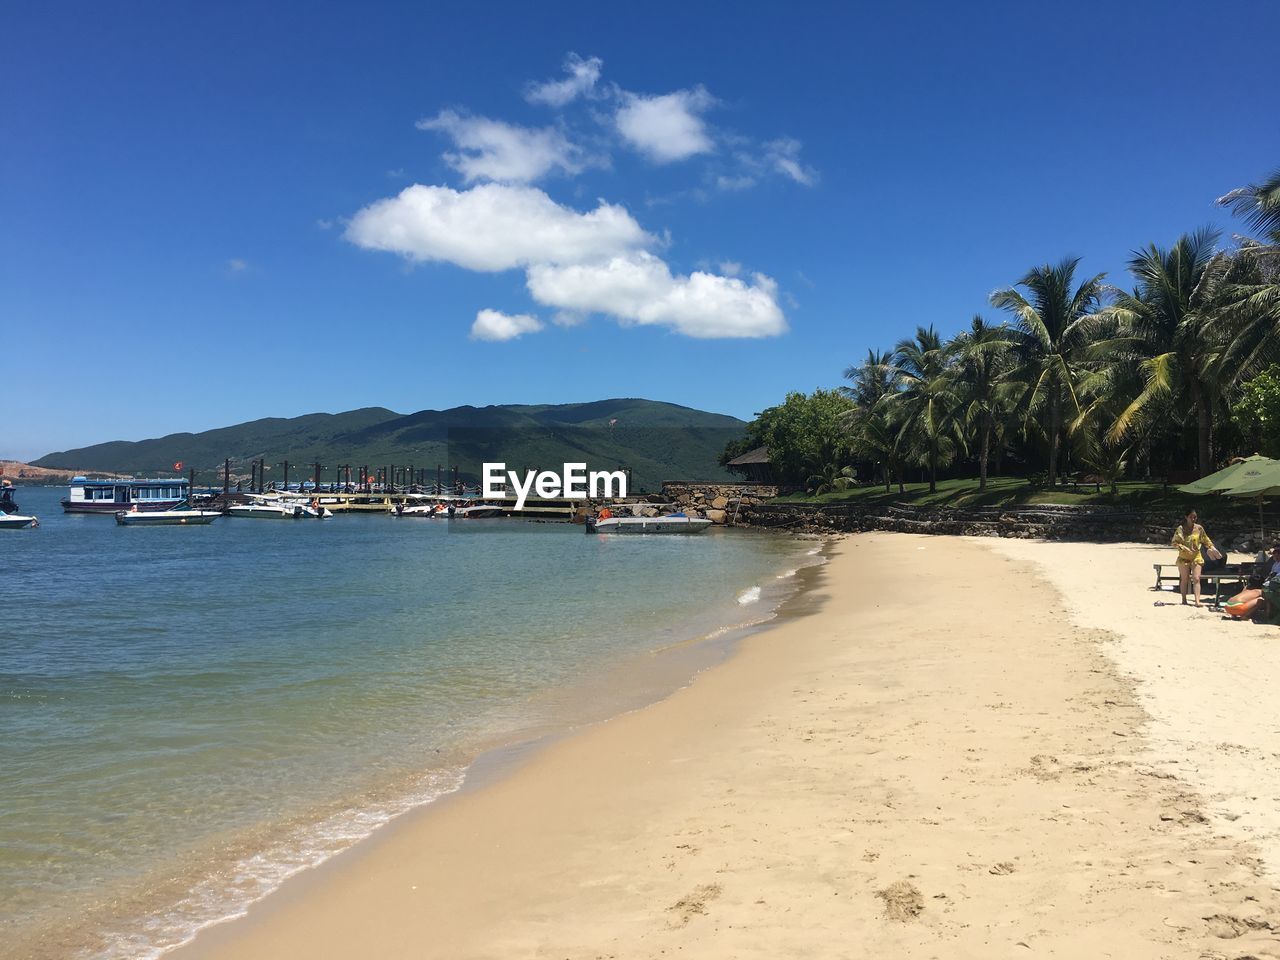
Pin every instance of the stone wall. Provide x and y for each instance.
(718, 502)
(1051, 522)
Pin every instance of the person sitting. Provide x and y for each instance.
(604, 514)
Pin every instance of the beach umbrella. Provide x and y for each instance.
(1228, 476)
(1260, 479)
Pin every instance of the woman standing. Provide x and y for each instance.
(1189, 538)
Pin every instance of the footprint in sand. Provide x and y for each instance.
(694, 904)
(902, 901)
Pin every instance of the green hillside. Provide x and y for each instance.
(656, 441)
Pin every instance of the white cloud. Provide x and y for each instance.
(580, 82)
(236, 265)
(783, 156)
(744, 182)
(666, 128)
(639, 288)
(493, 150)
(496, 326)
(493, 227)
(730, 268)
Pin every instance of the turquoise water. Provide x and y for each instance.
(189, 715)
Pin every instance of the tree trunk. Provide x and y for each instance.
(984, 453)
(1055, 426)
(933, 470)
(886, 476)
(1204, 428)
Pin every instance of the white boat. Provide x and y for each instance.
(279, 510)
(479, 512)
(427, 511)
(677, 523)
(159, 518)
(10, 519)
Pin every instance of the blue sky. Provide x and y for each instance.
(204, 216)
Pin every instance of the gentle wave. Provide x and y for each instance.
(749, 596)
(228, 894)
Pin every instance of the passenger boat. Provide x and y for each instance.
(159, 518)
(112, 496)
(673, 523)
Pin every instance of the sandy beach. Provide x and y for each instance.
(947, 748)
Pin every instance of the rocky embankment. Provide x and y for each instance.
(1095, 524)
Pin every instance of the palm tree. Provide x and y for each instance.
(1170, 319)
(1258, 204)
(923, 409)
(871, 436)
(1054, 323)
(983, 368)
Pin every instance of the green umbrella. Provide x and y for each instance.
(1260, 480)
(1228, 477)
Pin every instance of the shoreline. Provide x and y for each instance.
(646, 676)
(836, 777)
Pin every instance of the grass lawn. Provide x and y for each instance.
(1008, 491)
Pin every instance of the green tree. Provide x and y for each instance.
(924, 408)
(1054, 324)
(871, 436)
(1256, 411)
(1169, 319)
(805, 434)
(1258, 204)
(984, 374)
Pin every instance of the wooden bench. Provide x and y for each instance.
(1237, 573)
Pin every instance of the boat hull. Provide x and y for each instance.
(648, 525)
(14, 521)
(166, 518)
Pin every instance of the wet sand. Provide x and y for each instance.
(936, 760)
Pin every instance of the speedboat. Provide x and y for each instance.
(10, 519)
(673, 523)
(159, 518)
(426, 511)
(479, 512)
(263, 510)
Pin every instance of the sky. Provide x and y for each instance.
(215, 213)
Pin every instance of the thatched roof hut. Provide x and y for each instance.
(753, 465)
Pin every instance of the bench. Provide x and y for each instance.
(1238, 573)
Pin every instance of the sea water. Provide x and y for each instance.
(188, 715)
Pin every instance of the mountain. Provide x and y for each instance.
(656, 441)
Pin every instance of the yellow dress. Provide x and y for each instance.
(1189, 545)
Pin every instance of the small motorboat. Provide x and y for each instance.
(10, 519)
(279, 511)
(480, 511)
(160, 518)
(426, 511)
(672, 523)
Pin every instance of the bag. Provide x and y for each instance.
(1215, 560)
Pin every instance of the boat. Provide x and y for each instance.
(428, 511)
(480, 511)
(159, 518)
(672, 523)
(10, 519)
(274, 509)
(112, 496)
